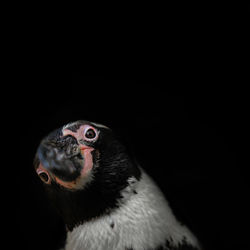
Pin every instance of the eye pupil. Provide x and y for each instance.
(90, 134)
(44, 177)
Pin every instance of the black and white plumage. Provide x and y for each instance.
(106, 200)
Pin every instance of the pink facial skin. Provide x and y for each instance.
(80, 133)
(86, 152)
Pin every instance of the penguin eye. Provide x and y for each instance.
(44, 175)
(90, 134)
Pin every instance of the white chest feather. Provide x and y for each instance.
(143, 221)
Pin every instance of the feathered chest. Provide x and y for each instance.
(143, 220)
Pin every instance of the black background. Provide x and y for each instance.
(192, 141)
(192, 144)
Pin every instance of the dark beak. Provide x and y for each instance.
(61, 156)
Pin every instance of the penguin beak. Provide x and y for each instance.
(60, 156)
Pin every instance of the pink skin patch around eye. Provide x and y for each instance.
(41, 170)
(79, 134)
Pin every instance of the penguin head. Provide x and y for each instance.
(84, 168)
(76, 154)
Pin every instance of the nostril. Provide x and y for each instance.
(44, 177)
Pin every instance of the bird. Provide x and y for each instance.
(105, 198)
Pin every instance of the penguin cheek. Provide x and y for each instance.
(88, 161)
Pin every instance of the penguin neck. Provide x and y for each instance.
(100, 197)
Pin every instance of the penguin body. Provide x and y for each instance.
(143, 221)
(106, 200)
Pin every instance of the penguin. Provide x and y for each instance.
(105, 198)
